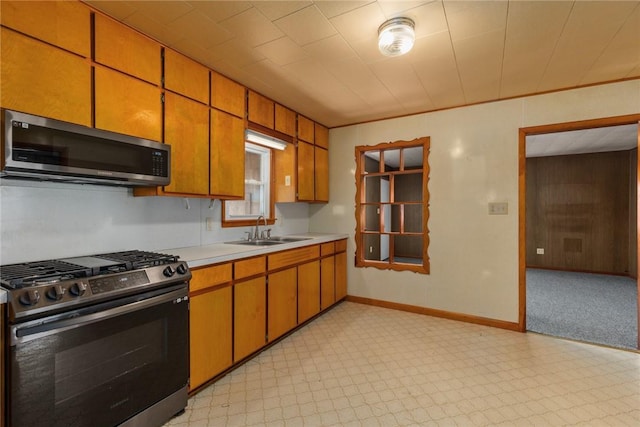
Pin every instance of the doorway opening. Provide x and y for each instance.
(566, 170)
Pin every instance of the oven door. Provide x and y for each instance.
(100, 365)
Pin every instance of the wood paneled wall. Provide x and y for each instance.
(578, 211)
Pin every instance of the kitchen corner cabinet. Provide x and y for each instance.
(226, 156)
(43, 80)
(186, 77)
(306, 172)
(321, 136)
(321, 174)
(186, 129)
(261, 110)
(210, 323)
(127, 105)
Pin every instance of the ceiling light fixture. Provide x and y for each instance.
(396, 36)
(265, 140)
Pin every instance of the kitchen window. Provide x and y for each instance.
(257, 190)
(392, 205)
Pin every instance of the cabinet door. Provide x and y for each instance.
(285, 174)
(341, 275)
(282, 297)
(43, 80)
(261, 110)
(305, 129)
(249, 317)
(327, 282)
(306, 172)
(227, 95)
(321, 136)
(227, 155)
(210, 350)
(124, 49)
(285, 120)
(184, 76)
(308, 290)
(186, 129)
(127, 105)
(321, 174)
(65, 24)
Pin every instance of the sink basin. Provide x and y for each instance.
(285, 239)
(276, 240)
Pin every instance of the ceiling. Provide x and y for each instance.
(320, 58)
(595, 140)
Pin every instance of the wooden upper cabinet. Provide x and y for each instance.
(261, 110)
(321, 175)
(285, 174)
(64, 24)
(305, 129)
(124, 49)
(41, 79)
(321, 135)
(285, 120)
(127, 105)
(186, 129)
(227, 95)
(226, 176)
(306, 174)
(184, 76)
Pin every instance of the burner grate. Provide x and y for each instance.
(140, 259)
(16, 275)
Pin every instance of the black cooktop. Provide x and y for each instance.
(16, 276)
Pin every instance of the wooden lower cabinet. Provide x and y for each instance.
(308, 290)
(282, 296)
(210, 338)
(249, 317)
(327, 282)
(341, 275)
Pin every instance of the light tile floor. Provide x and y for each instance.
(359, 365)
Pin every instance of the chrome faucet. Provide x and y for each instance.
(256, 234)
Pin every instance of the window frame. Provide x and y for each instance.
(250, 221)
(361, 205)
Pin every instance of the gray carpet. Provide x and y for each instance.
(595, 308)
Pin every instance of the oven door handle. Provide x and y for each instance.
(38, 329)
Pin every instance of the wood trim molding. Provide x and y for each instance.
(467, 318)
(551, 128)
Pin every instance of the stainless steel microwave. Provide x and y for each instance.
(46, 149)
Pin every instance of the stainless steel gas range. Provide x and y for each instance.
(100, 340)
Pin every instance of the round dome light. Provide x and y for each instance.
(396, 36)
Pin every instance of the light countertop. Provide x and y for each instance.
(197, 256)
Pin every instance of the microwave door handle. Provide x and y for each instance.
(20, 334)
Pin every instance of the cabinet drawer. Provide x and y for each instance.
(327, 248)
(341, 245)
(294, 256)
(210, 276)
(249, 267)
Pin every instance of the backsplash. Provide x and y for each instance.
(43, 220)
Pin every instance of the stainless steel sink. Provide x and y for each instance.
(276, 240)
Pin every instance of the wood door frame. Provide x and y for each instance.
(522, 161)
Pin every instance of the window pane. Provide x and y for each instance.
(407, 249)
(371, 161)
(413, 218)
(391, 160)
(407, 187)
(412, 158)
(256, 186)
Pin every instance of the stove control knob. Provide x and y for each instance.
(182, 269)
(55, 293)
(30, 297)
(168, 272)
(78, 289)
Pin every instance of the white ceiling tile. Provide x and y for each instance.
(116, 9)
(399, 77)
(335, 8)
(306, 26)
(330, 49)
(236, 53)
(220, 10)
(282, 51)
(594, 140)
(395, 8)
(199, 29)
(163, 11)
(151, 28)
(252, 27)
(471, 18)
(278, 9)
(359, 24)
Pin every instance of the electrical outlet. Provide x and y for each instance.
(540, 251)
(209, 223)
(498, 208)
(287, 181)
(370, 249)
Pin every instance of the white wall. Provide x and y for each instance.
(474, 161)
(41, 220)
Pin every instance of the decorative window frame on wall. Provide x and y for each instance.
(390, 208)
